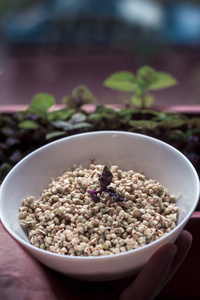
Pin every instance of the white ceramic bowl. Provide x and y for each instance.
(156, 159)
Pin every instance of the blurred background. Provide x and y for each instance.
(52, 46)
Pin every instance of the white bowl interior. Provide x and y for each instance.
(127, 150)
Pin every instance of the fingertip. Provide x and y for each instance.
(168, 251)
(186, 236)
(184, 241)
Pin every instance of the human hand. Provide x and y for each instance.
(23, 277)
(159, 270)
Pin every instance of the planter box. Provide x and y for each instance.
(189, 109)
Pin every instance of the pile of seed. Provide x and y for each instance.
(65, 220)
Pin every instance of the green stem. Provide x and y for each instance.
(142, 101)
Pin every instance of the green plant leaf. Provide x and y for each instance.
(95, 117)
(69, 102)
(104, 109)
(122, 81)
(1, 71)
(146, 76)
(28, 124)
(77, 118)
(177, 134)
(141, 88)
(62, 124)
(147, 102)
(83, 94)
(159, 115)
(149, 99)
(143, 124)
(163, 80)
(171, 122)
(81, 125)
(63, 114)
(125, 119)
(54, 134)
(41, 103)
(110, 118)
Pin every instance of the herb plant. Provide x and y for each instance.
(105, 179)
(145, 80)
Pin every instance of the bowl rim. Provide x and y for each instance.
(105, 257)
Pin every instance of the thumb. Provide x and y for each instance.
(148, 282)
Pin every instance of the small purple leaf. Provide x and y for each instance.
(115, 195)
(94, 196)
(105, 178)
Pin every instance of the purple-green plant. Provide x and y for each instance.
(105, 179)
